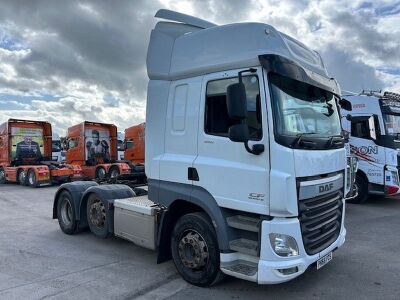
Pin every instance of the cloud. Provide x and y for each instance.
(67, 61)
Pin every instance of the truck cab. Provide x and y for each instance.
(58, 153)
(93, 147)
(244, 156)
(374, 128)
(26, 155)
(134, 144)
(120, 145)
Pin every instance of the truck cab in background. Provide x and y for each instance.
(244, 156)
(93, 147)
(120, 145)
(58, 153)
(134, 144)
(26, 155)
(374, 128)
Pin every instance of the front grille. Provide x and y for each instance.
(320, 221)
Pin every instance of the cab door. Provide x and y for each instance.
(364, 131)
(234, 177)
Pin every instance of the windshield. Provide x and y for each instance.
(392, 124)
(56, 146)
(300, 108)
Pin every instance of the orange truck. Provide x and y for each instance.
(134, 144)
(93, 147)
(26, 155)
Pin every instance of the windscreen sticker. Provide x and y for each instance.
(26, 143)
(97, 144)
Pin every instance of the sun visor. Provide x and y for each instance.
(288, 68)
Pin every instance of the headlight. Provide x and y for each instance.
(283, 245)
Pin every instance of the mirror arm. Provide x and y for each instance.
(256, 149)
(251, 70)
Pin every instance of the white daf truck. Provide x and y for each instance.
(374, 128)
(245, 157)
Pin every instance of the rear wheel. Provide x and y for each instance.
(21, 176)
(362, 189)
(113, 173)
(97, 216)
(195, 251)
(66, 213)
(2, 176)
(32, 182)
(100, 174)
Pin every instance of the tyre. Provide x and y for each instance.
(195, 251)
(66, 213)
(362, 188)
(101, 174)
(113, 173)
(21, 177)
(2, 176)
(31, 178)
(97, 216)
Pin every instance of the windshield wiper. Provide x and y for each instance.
(299, 139)
(330, 141)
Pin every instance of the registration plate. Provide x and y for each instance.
(324, 260)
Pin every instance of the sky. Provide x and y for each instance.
(70, 61)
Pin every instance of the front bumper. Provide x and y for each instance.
(270, 263)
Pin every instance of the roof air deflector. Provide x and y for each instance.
(182, 18)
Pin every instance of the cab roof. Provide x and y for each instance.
(185, 46)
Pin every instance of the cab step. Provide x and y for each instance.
(243, 223)
(244, 246)
(241, 269)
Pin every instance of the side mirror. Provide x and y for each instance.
(348, 118)
(346, 136)
(345, 104)
(239, 133)
(371, 125)
(236, 101)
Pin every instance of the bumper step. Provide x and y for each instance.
(241, 269)
(244, 246)
(243, 223)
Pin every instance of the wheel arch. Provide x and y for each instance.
(106, 193)
(362, 174)
(188, 199)
(75, 189)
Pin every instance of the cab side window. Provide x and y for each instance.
(129, 144)
(217, 121)
(72, 143)
(360, 127)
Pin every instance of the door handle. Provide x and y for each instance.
(192, 174)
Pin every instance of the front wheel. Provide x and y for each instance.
(32, 182)
(195, 251)
(362, 189)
